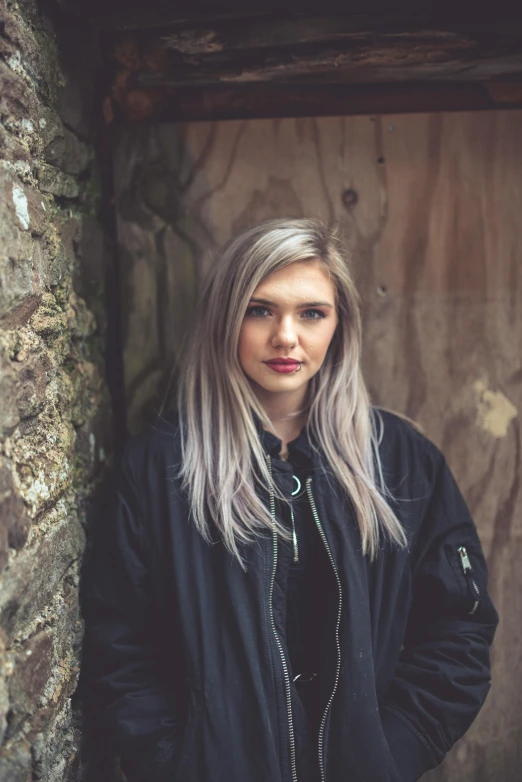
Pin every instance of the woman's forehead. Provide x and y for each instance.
(300, 277)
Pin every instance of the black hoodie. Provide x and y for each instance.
(185, 653)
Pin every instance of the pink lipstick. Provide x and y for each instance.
(283, 366)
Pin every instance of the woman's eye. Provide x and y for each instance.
(316, 312)
(254, 311)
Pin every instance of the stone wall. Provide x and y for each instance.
(54, 406)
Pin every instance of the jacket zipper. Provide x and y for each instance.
(338, 671)
(294, 533)
(288, 689)
(294, 537)
(468, 570)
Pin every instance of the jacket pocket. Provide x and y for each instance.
(453, 583)
(409, 753)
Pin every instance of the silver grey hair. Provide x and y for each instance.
(222, 456)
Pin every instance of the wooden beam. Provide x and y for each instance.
(270, 100)
(318, 50)
(405, 58)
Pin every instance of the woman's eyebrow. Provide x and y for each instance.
(304, 304)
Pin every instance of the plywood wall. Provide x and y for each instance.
(431, 209)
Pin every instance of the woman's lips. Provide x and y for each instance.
(284, 369)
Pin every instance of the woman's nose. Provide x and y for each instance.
(285, 333)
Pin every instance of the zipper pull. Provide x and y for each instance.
(464, 560)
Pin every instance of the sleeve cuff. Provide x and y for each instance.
(412, 757)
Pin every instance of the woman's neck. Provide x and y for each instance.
(288, 431)
(288, 415)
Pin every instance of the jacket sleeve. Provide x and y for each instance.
(443, 674)
(121, 680)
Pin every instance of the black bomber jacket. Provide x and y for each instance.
(185, 656)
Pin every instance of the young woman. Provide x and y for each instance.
(290, 587)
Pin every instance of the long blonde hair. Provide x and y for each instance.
(222, 457)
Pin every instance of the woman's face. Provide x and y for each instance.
(291, 314)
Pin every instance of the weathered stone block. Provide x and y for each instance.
(23, 203)
(9, 416)
(15, 206)
(32, 667)
(16, 280)
(45, 670)
(12, 149)
(41, 451)
(54, 181)
(88, 386)
(16, 96)
(49, 319)
(64, 235)
(24, 263)
(17, 284)
(16, 762)
(30, 588)
(14, 521)
(32, 378)
(37, 211)
(54, 751)
(80, 319)
(61, 148)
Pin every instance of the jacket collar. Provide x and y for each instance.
(299, 449)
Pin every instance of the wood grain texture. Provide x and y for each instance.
(430, 208)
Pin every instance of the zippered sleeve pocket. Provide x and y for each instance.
(473, 590)
(452, 582)
(449, 569)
